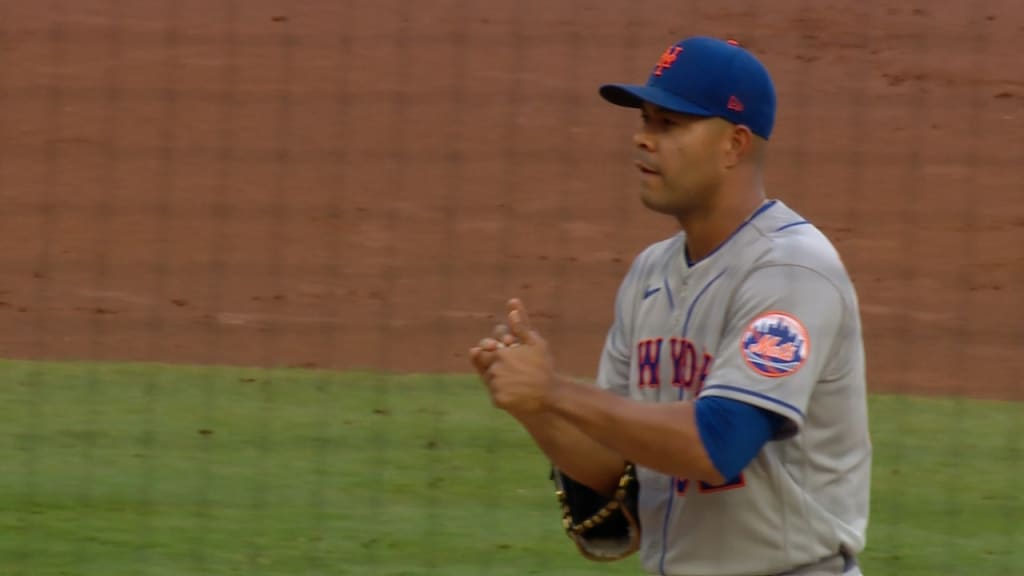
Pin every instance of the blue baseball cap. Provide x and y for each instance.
(706, 77)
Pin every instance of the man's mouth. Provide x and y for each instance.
(646, 169)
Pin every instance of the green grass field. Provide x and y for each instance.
(165, 470)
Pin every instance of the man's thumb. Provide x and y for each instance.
(520, 326)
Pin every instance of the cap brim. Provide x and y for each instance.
(633, 96)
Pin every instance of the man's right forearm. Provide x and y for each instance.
(574, 453)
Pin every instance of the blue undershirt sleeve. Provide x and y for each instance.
(733, 432)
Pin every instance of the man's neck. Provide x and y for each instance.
(708, 229)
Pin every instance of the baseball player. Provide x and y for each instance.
(727, 432)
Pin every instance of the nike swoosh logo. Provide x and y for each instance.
(651, 292)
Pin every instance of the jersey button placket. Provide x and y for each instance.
(680, 309)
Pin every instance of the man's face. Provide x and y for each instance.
(680, 159)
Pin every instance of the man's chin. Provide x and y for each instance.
(656, 202)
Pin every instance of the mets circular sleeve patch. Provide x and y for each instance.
(775, 344)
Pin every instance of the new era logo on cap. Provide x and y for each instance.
(706, 76)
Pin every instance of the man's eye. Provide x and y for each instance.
(667, 123)
(659, 121)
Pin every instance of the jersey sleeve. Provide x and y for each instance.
(614, 365)
(782, 325)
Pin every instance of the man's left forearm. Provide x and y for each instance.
(662, 437)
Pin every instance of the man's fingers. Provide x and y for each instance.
(500, 331)
(474, 355)
(504, 335)
(519, 322)
(490, 344)
(515, 304)
(483, 360)
(485, 353)
(524, 333)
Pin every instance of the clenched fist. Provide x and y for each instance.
(516, 365)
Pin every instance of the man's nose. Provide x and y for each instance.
(643, 141)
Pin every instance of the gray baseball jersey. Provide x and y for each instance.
(770, 318)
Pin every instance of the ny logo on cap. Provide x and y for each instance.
(668, 58)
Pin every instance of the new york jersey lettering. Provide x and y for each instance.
(690, 368)
(648, 353)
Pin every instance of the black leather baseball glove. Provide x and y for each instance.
(604, 529)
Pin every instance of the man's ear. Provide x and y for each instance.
(740, 145)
